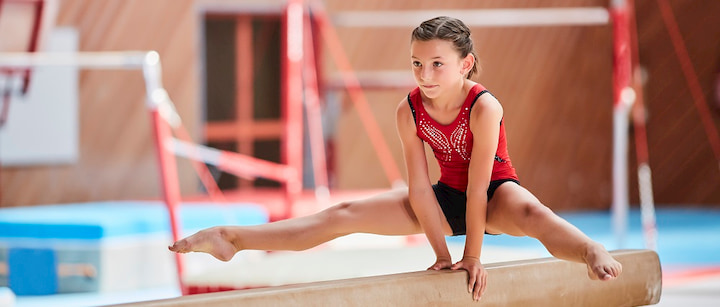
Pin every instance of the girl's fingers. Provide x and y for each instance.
(471, 284)
(483, 285)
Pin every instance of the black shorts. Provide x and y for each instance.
(452, 202)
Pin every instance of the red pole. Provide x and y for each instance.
(621, 51)
(638, 110)
(292, 90)
(622, 98)
(168, 183)
(244, 84)
(312, 107)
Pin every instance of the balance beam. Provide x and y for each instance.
(536, 282)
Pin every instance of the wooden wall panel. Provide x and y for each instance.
(685, 170)
(555, 86)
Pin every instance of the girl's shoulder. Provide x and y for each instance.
(484, 101)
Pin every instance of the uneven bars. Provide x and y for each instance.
(95, 60)
(234, 163)
(157, 101)
(582, 16)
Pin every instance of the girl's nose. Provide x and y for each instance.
(425, 73)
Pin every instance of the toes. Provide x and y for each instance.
(179, 247)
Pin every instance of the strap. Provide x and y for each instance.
(412, 108)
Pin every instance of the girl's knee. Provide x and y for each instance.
(340, 215)
(534, 211)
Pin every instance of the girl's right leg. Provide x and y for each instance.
(386, 214)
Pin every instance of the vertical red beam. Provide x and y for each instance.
(639, 119)
(168, 183)
(314, 115)
(292, 91)
(621, 51)
(622, 98)
(317, 56)
(244, 85)
(638, 110)
(317, 39)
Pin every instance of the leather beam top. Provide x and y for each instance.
(534, 282)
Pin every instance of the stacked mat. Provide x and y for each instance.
(103, 246)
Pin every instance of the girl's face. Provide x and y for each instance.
(438, 67)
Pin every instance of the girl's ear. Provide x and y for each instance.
(467, 63)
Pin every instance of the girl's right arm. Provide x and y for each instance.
(422, 197)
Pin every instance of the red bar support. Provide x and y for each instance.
(312, 107)
(291, 97)
(168, 183)
(244, 84)
(621, 51)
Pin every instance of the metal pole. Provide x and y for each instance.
(623, 97)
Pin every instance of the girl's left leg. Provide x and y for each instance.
(515, 211)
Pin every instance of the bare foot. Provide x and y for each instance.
(601, 265)
(213, 241)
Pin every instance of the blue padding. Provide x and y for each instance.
(33, 271)
(686, 236)
(107, 219)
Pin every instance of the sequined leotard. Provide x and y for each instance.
(452, 143)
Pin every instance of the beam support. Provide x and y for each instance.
(535, 282)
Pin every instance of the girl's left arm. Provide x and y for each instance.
(485, 120)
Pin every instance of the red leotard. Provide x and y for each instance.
(452, 143)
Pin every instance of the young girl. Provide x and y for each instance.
(459, 119)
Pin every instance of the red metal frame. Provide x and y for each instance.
(357, 96)
(34, 41)
(312, 107)
(291, 96)
(621, 51)
(244, 84)
(168, 183)
(32, 47)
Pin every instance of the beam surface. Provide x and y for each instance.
(535, 282)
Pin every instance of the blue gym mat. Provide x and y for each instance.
(117, 218)
(686, 236)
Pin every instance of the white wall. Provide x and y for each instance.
(42, 126)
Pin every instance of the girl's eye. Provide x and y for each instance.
(416, 64)
(437, 64)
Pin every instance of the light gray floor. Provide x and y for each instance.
(702, 292)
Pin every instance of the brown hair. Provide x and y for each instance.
(448, 29)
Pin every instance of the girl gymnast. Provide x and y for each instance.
(478, 191)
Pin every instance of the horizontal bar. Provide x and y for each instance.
(96, 60)
(235, 9)
(581, 16)
(232, 131)
(232, 162)
(535, 282)
(375, 80)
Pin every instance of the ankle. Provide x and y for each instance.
(229, 236)
(591, 250)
